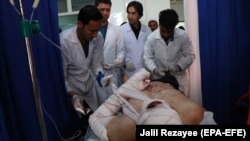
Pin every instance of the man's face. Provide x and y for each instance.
(132, 15)
(88, 31)
(165, 32)
(105, 10)
(153, 25)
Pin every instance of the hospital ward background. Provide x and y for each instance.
(33, 101)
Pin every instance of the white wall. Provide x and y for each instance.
(151, 10)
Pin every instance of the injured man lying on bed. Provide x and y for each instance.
(141, 101)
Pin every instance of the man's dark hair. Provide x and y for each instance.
(88, 13)
(181, 27)
(152, 21)
(97, 2)
(168, 78)
(168, 18)
(138, 7)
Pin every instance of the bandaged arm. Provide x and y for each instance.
(101, 117)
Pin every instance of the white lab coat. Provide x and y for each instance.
(113, 49)
(178, 52)
(134, 47)
(78, 69)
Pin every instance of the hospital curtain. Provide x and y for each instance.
(18, 114)
(191, 24)
(224, 47)
(248, 118)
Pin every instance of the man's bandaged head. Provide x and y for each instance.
(168, 78)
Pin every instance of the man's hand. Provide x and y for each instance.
(77, 101)
(159, 71)
(130, 66)
(175, 68)
(106, 80)
(118, 62)
(103, 80)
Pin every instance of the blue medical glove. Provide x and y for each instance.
(99, 78)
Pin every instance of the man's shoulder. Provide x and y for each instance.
(125, 26)
(145, 28)
(67, 32)
(112, 26)
(182, 34)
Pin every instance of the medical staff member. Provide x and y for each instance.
(113, 49)
(153, 24)
(82, 54)
(135, 35)
(169, 49)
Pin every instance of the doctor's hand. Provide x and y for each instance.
(118, 62)
(105, 81)
(159, 71)
(175, 68)
(130, 66)
(77, 101)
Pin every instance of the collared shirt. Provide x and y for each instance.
(103, 30)
(136, 30)
(169, 39)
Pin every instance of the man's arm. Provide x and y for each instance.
(148, 55)
(188, 53)
(66, 61)
(97, 59)
(103, 115)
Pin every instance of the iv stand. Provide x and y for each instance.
(34, 81)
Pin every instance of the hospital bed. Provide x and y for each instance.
(143, 102)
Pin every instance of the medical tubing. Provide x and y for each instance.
(32, 14)
(35, 4)
(58, 47)
(91, 74)
(78, 132)
(36, 83)
(12, 2)
(34, 80)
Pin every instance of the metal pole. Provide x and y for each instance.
(34, 81)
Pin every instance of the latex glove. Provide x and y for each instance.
(106, 80)
(99, 78)
(175, 68)
(130, 66)
(159, 71)
(77, 101)
(118, 62)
